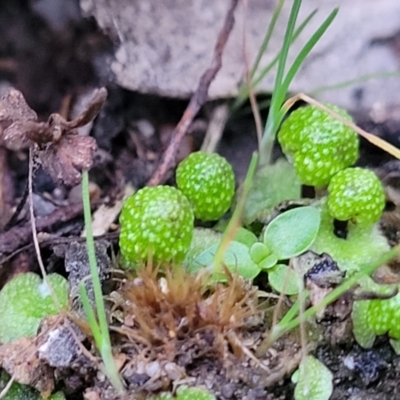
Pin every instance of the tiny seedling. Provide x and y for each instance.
(282, 240)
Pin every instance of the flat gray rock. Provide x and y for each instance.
(164, 46)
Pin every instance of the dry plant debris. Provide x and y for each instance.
(62, 153)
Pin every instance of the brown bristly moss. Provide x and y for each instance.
(175, 306)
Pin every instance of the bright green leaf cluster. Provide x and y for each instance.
(281, 241)
(25, 301)
(318, 144)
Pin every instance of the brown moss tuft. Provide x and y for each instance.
(178, 306)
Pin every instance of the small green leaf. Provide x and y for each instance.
(259, 251)
(314, 381)
(25, 300)
(187, 393)
(283, 279)
(202, 239)
(237, 259)
(268, 262)
(272, 185)
(292, 232)
(246, 237)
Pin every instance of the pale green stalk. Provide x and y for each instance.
(99, 329)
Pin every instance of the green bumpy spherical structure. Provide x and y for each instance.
(208, 181)
(384, 317)
(356, 194)
(318, 145)
(156, 225)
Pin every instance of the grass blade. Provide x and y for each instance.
(270, 127)
(94, 326)
(296, 34)
(236, 219)
(99, 330)
(305, 51)
(268, 35)
(98, 295)
(244, 90)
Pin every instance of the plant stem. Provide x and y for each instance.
(100, 330)
(236, 220)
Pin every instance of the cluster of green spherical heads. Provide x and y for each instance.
(322, 150)
(356, 194)
(318, 145)
(157, 223)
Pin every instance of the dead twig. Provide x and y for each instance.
(110, 236)
(19, 236)
(197, 100)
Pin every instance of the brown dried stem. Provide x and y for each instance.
(21, 235)
(196, 102)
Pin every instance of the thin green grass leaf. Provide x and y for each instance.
(355, 81)
(296, 34)
(98, 295)
(267, 37)
(94, 326)
(236, 220)
(283, 59)
(271, 125)
(305, 51)
(244, 90)
(99, 330)
(281, 329)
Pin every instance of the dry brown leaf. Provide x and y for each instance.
(61, 151)
(65, 159)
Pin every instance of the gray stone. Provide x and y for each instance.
(163, 46)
